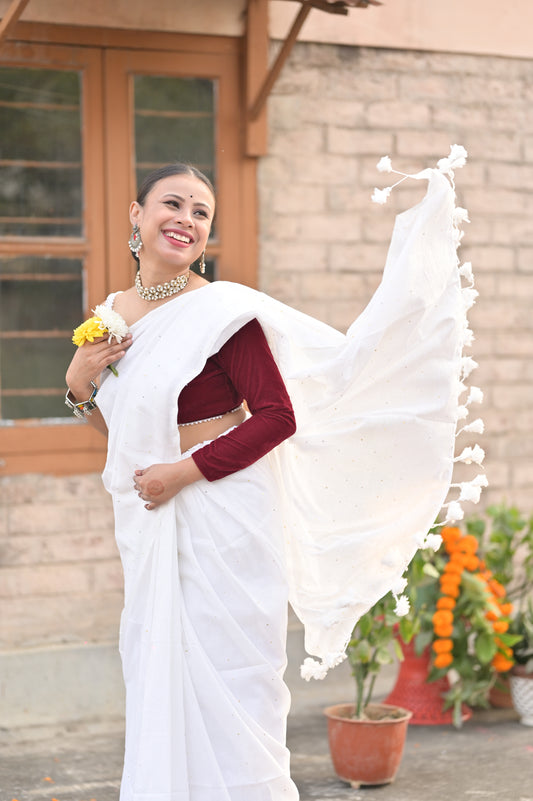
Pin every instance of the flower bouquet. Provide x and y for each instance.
(105, 321)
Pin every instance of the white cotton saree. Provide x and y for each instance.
(330, 519)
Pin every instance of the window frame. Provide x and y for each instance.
(65, 447)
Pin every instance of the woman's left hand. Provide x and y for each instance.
(159, 483)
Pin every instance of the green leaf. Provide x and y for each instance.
(485, 648)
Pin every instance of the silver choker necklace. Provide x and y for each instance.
(161, 290)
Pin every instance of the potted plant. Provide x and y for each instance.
(458, 624)
(367, 739)
(507, 543)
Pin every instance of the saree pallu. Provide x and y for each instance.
(332, 516)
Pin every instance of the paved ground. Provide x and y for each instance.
(491, 757)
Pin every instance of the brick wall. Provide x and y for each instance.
(334, 112)
(60, 576)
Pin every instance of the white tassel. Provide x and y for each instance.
(468, 365)
(460, 215)
(468, 337)
(474, 396)
(312, 669)
(480, 480)
(454, 512)
(469, 455)
(399, 586)
(462, 412)
(465, 270)
(384, 164)
(381, 195)
(469, 492)
(469, 297)
(433, 541)
(402, 606)
(475, 427)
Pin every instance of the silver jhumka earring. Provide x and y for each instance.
(135, 242)
(202, 263)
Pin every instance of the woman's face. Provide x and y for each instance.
(175, 221)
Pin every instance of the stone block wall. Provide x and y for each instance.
(333, 113)
(60, 575)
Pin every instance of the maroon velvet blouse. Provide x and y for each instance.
(243, 369)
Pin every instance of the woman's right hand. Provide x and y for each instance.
(90, 360)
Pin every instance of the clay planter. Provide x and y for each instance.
(424, 698)
(522, 693)
(367, 751)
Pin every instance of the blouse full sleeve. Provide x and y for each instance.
(248, 362)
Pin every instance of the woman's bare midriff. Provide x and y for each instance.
(201, 432)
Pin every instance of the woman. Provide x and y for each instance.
(216, 526)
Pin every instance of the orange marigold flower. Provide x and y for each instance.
(468, 544)
(497, 588)
(500, 626)
(443, 660)
(491, 615)
(450, 578)
(501, 664)
(442, 646)
(443, 630)
(450, 533)
(472, 562)
(454, 567)
(442, 617)
(446, 602)
(450, 589)
(506, 609)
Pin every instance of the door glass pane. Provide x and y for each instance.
(40, 304)
(174, 121)
(40, 152)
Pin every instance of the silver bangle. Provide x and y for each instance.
(82, 408)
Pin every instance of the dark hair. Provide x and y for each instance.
(179, 168)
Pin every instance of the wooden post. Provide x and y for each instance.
(11, 17)
(256, 53)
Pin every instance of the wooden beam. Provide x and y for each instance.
(258, 105)
(256, 66)
(11, 17)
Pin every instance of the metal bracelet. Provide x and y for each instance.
(82, 408)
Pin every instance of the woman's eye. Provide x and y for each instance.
(202, 213)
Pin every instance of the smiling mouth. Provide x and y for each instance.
(178, 237)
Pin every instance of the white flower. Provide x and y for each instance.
(112, 321)
(460, 215)
(455, 512)
(311, 669)
(381, 195)
(384, 164)
(466, 271)
(475, 395)
(402, 606)
(476, 426)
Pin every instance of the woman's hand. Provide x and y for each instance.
(159, 483)
(92, 359)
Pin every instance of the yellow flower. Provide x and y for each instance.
(88, 331)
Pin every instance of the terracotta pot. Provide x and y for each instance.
(366, 751)
(500, 693)
(522, 693)
(424, 698)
